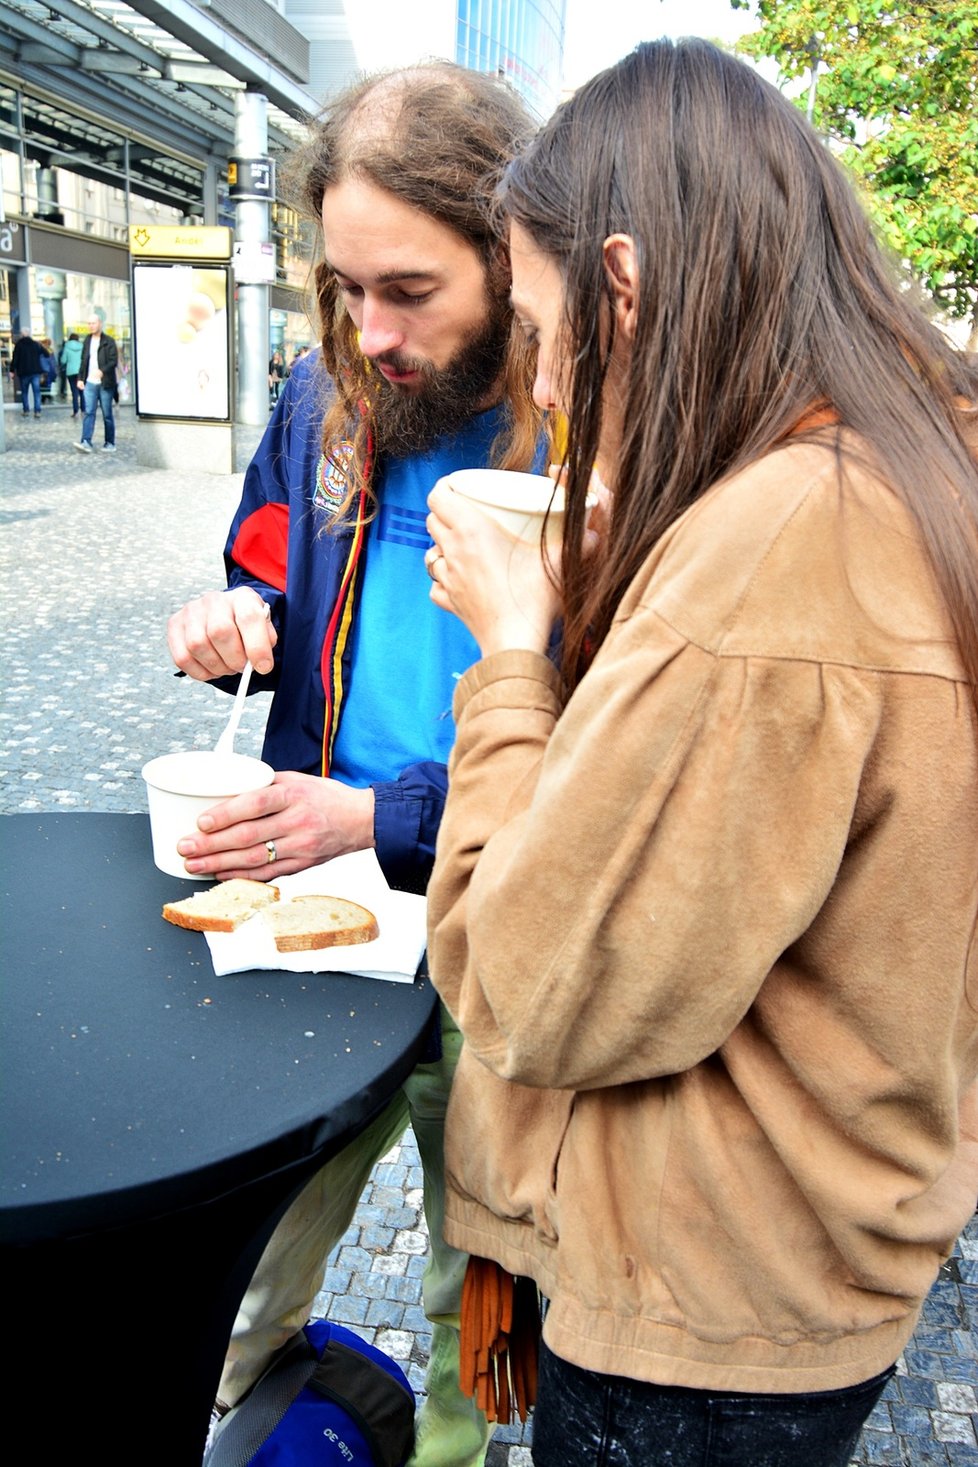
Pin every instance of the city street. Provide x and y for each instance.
(97, 552)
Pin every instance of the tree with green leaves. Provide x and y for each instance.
(893, 85)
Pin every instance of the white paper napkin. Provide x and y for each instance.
(394, 955)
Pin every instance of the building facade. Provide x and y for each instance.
(114, 115)
(522, 40)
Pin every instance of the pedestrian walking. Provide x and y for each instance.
(27, 368)
(97, 383)
(70, 358)
(277, 375)
(49, 370)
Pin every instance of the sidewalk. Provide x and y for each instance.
(97, 553)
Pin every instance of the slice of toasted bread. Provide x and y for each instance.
(308, 923)
(223, 907)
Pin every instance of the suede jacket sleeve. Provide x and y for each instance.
(617, 878)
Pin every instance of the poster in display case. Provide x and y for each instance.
(182, 340)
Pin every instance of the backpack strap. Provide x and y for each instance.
(238, 1436)
(379, 1404)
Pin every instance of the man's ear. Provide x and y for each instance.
(621, 268)
(499, 273)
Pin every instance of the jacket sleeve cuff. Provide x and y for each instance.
(407, 813)
(519, 677)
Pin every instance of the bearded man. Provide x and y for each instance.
(419, 374)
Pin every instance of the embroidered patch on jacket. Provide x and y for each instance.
(331, 477)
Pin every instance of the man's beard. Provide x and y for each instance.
(406, 423)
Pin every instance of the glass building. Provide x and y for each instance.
(522, 40)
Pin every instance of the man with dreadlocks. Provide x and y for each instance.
(419, 374)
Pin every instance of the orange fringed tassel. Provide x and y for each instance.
(500, 1340)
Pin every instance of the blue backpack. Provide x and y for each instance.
(327, 1398)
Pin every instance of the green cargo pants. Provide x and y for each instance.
(451, 1432)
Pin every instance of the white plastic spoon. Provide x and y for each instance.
(225, 744)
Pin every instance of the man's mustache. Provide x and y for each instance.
(399, 363)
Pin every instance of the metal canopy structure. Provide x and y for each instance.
(161, 71)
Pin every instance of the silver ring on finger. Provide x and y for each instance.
(431, 558)
(272, 852)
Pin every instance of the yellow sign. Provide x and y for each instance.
(180, 241)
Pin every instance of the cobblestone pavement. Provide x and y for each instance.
(97, 552)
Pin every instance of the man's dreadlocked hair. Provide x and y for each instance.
(436, 136)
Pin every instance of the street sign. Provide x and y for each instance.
(180, 241)
(251, 178)
(254, 262)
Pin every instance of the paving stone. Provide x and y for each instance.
(959, 1368)
(397, 1342)
(880, 1417)
(415, 1318)
(881, 1447)
(925, 1362)
(411, 1241)
(918, 1390)
(370, 1212)
(337, 1280)
(385, 1312)
(957, 1397)
(98, 553)
(405, 1290)
(370, 1285)
(349, 1308)
(959, 1455)
(950, 1427)
(924, 1453)
(355, 1258)
(389, 1263)
(905, 1420)
(376, 1238)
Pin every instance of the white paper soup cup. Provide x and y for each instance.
(181, 786)
(516, 501)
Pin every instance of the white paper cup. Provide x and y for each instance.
(181, 786)
(516, 501)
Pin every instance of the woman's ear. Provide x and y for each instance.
(621, 268)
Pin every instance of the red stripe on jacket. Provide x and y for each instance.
(333, 642)
(261, 546)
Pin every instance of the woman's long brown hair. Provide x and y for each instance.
(762, 292)
(437, 137)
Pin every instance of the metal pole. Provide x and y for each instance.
(252, 227)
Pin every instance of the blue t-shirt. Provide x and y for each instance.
(407, 654)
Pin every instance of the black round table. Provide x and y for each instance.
(157, 1121)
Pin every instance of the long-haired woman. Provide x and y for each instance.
(705, 899)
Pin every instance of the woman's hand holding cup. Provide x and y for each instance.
(498, 583)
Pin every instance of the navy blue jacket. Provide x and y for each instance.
(309, 576)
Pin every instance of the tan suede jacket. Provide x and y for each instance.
(719, 912)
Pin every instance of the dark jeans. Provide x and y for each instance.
(28, 385)
(587, 1420)
(98, 397)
